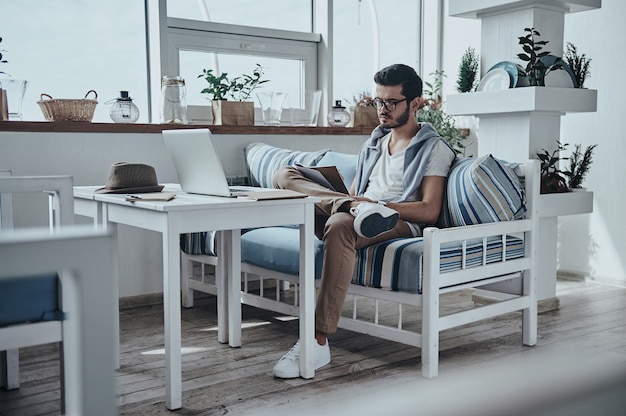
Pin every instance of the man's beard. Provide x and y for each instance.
(399, 121)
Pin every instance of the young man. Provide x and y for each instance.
(398, 189)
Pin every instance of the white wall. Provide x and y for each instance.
(591, 244)
(88, 158)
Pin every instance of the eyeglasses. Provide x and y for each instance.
(390, 105)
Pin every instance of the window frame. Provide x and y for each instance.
(168, 36)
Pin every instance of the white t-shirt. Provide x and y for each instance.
(385, 182)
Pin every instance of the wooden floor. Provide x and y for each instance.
(484, 368)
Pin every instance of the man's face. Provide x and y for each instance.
(398, 116)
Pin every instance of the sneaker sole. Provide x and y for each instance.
(376, 224)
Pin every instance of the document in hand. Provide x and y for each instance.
(327, 176)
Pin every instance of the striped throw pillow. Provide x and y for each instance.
(264, 160)
(481, 190)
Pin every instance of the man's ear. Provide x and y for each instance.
(417, 103)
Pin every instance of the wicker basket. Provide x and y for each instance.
(68, 109)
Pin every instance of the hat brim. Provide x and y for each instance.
(137, 190)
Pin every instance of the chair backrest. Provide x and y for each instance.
(86, 260)
(58, 188)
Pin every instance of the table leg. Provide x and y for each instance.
(233, 276)
(101, 220)
(172, 319)
(221, 282)
(307, 294)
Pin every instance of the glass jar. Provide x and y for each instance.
(123, 109)
(173, 100)
(338, 116)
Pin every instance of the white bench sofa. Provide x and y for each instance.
(486, 239)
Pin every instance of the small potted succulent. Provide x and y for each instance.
(536, 69)
(240, 111)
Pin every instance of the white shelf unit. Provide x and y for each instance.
(518, 123)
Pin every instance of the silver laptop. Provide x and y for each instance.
(197, 163)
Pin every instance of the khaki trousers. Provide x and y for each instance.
(334, 225)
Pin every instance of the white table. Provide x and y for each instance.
(192, 213)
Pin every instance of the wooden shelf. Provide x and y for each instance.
(74, 127)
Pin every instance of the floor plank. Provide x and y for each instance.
(220, 380)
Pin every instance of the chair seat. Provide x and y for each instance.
(394, 265)
(30, 299)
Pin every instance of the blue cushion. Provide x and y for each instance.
(263, 160)
(346, 164)
(30, 299)
(480, 191)
(278, 248)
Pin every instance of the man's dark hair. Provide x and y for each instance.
(400, 74)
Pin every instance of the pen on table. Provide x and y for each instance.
(133, 196)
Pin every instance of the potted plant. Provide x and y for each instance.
(432, 112)
(468, 69)
(240, 111)
(363, 113)
(553, 179)
(535, 68)
(578, 63)
(579, 164)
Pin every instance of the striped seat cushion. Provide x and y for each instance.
(397, 264)
(394, 264)
(480, 191)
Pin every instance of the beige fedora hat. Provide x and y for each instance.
(127, 177)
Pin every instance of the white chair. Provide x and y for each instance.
(79, 265)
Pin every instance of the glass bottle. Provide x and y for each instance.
(123, 109)
(338, 116)
(173, 100)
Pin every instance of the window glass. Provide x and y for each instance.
(281, 73)
(369, 35)
(65, 48)
(274, 14)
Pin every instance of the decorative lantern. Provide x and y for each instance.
(123, 109)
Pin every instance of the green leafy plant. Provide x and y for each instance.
(578, 63)
(551, 179)
(239, 88)
(536, 70)
(2, 60)
(579, 164)
(432, 112)
(468, 69)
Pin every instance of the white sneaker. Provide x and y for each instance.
(372, 219)
(289, 365)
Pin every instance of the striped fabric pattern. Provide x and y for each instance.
(198, 243)
(397, 264)
(480, 191)
(264, 160)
